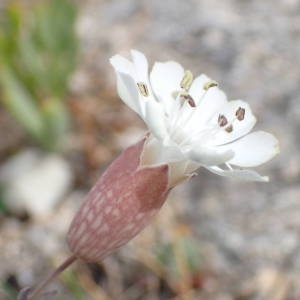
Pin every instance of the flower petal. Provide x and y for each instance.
(209, 156)
(213, 95)
(211, 102)
(248, 175)
(141, 66)
(253, 149)
(155, 119)
(239, 128)
(121, 64)
(129, 74)
(156, 153)
(128, 92)
(165, 79)
(180, 171)
(208, 102)
(197, 88)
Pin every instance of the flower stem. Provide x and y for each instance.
(36, 292)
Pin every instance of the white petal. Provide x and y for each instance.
(180, 171)
(155, 119)
(128, 92)
(209, 156)
(213, 100)
(197, 87)
(156, 153)
(165, 79)
(121, 64)
(128, 75)
(253, 149)
(240, 128)
(208, 103)
(248, 175)
(141, 66)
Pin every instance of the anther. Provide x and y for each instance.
(229, 128)
(210, 84)
(222, 120)
(240, 113)
(187, 80)
(189, 99)
(143, 89)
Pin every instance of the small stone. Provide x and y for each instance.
(35, 182)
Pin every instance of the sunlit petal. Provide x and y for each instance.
(209, 156)
(239, 127)
(253, 149)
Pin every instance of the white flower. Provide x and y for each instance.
(191, 121)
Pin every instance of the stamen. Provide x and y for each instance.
(143, 89)
(184, 96)
(240, 113)
(210, 84)
(187, 80)
(222, 120)
(189, 99)
(229, 128)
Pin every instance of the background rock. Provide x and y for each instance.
(35, 182)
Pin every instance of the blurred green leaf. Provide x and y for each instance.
(57, 119)
(9, 292)
(10, 24)
(38, 53)
(190, 253)
(20, 103)
(71, 281)
(3, 206)
(190, 248)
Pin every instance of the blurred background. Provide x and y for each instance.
(61, 124)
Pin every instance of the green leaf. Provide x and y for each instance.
(57, 119)
(20, 103)
(10, 24)
(191, 251)
(38, 53)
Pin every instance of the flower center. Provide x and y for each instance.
(184, 130)
(209, 133)
(181, 121)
